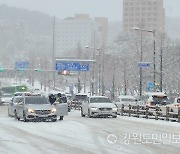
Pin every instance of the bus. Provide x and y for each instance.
(14, 88)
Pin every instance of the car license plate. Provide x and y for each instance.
(105, 112)
(42, 116)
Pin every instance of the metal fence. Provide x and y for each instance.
(167, 113)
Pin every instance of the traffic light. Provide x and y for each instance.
(64, 72)
(38, 70)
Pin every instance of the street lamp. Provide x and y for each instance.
(154, 60)
(93, 69)
(140, 70)
(53, 54)
(92, 80)
(154, 56)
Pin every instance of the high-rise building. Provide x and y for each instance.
(145, 14)
(80, 30)
(72, 31)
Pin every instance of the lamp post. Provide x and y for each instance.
(99, 68)
(93, 71)
(140, 69)
(53, 54)
(154, 58)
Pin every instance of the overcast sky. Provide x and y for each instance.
(104, 8)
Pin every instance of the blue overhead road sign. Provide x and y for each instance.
(143, 65)
(72, 66)
(22, 65)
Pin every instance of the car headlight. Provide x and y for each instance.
(30, 110)
(53, 110)
(94, 108)
(115, 109)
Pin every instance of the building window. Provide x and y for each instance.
(155, 8)
(126, 3)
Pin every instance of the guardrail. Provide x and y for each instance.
(156, 112)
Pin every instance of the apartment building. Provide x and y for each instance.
(146, 14)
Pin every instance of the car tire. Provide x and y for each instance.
(54, 120)
(15, 116)
(24, 117)
(82, 115)
(89, 114)
(115, 116)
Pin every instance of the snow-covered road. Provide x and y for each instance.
(77, 135)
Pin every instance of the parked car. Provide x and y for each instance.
(157, 99)
(125, 100)
(6, 99)
(176, 103)
(78, 99)
(98, 106)
(34, 108)
(11, 105)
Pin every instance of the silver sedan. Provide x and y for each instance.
(97, 106)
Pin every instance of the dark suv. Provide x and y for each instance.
(77, 100)
(155, 100)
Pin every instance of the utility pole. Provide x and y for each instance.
(161, 57)
(79, 82)
(113, 81)
(32, 72)
(93, 67)
(53, 55)
(154, 59)
(103, 67)
(45, 73)
(140, 71)
(125, 81)
(99, 74)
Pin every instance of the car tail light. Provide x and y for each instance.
(176, 105)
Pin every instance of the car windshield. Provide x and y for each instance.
(128, 100)
(21, 94)
(100, 100)
(160, 100)
(36, 100)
